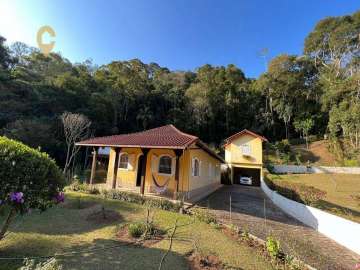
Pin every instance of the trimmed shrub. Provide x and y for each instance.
(28, 178)
(30, 172)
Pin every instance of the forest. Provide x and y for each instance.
(317, 93)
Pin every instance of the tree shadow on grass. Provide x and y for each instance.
(100, 254)
(22, 247)
(62, 221)
(113, 254)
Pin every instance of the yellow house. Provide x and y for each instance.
(243, 154)
(160, 161)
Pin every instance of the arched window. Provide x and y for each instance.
(124, 161)
(196, 167)
(165, 165)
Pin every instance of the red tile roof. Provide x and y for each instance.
(162, 137)
(245, 131)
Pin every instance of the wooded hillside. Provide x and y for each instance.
(316, 93)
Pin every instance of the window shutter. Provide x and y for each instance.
(154, 163)
(173, 165)
(131, 162)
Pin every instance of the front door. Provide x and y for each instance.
(138, 175)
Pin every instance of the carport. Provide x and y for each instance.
(254, 173)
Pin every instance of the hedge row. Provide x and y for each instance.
(126, 196)
(139, 199)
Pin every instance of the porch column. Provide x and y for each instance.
(178, 154)
(93, 165)
(116, 165)
(143, 171)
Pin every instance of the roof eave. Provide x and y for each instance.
(129, 146)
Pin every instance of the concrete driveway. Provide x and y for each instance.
(253, 211)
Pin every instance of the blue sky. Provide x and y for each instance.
(178, 34)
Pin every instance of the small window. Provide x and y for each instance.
(124, 161)
(165, 165)
(196, 167)
(246, 150)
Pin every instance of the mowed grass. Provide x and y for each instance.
(62, 230)
(342, 191)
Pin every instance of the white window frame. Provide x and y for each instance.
(246, 152)
(193, 167)
(128, 157)
(171, 165)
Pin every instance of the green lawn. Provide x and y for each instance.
(341, 191)
(63, 229)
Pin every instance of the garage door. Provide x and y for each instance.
(253, 173)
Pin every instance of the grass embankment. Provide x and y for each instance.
(342, 191)
(69, 228)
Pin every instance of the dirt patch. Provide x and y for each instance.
(198, 262)
(124, 236)
(103, 217)
(318, 153)
(76, 204)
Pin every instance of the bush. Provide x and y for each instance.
(204, 216)
(273, 247)
(351, 163)
(137, 229)
(139, 199)
(283, 146)
(76, 185)
(28, 178)
(99, 177)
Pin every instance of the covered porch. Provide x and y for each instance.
(148, 171)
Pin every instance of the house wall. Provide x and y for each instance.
(187, 182)
(206, 181)
(152, 170)
(233, 153)
(126, 178)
